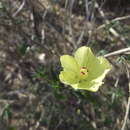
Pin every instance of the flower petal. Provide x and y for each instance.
(90, 86)
(84, 56)
(69, 77)
(69, 63)
(96, 74)
(99, 69)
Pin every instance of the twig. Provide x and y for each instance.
(83, 31)
(90, 10)
(126, 114)
(128, 104)
(114, 20)
(80, 37)
(72, 38)
(115, 85)
(112, 30)
(19, 9)
(117, 52)
(121, 18)
(87, 10)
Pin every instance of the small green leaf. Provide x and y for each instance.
(23, 48)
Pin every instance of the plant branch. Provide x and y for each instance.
(117, 52)
(111, 30)
(128, 104)
(19, 9)
(114, 20)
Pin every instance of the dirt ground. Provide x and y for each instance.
(33, 36)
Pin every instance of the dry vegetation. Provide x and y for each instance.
(33, 35)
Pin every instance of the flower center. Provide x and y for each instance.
(83, 72)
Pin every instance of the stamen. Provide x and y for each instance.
(83, 73)
(83, 68)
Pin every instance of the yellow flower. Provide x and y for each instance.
(84, 70)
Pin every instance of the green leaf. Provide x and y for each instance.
(22, 49)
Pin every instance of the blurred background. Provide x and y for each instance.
(33, 36)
